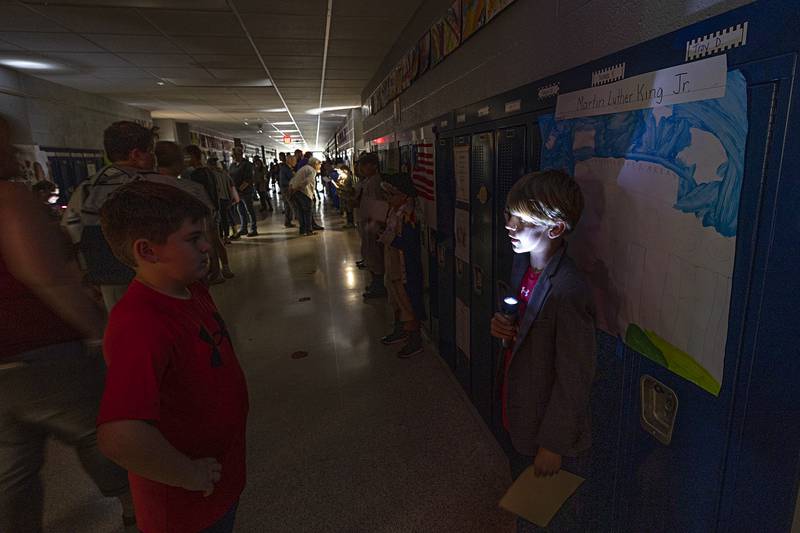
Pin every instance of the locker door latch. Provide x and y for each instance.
(477, 279)
(659, 409)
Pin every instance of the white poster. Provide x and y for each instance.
(657, 237)
(462, 234)
(461, 170)
(691, 82)
(462, 327)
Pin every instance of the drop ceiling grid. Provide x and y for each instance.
(120, 48)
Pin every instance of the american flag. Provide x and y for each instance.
(424, 178)
(423, 173)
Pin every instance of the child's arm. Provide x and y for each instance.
(574, 372)
(140, 448)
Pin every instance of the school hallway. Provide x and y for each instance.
(348, 439)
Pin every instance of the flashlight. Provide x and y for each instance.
(509, 309)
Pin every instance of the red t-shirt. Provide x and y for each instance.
(523, 297)
(171, 362)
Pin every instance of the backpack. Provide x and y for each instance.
(82, 221)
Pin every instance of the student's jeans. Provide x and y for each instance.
(224, 524)
(224, 218)
(573, 516)
(52, 391)
(287, 206)
(304, 204)
(247, 212)
(264, 199)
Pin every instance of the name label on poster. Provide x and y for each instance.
(690, 82)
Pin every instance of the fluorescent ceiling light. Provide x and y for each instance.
(27, 65)
(321, 110)
(273, 110)
(287, 131)
(283, 123)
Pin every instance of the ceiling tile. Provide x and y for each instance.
(99, 20)
(374, 30)
(400, 12)
(194, 23)
(49, 42)
(89, 59)
(214, 45)
(238, 73)
(159, 60)
(19, 18)
(227, 61)
(181, 72)
(5, 45)
(293, 47)
(134, 43)
(354, 48)
(282, 7)
(302, 25)
(162, 4)
(126, 73)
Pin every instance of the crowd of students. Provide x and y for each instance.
(162, 424)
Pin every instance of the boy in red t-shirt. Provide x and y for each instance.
(175, 404)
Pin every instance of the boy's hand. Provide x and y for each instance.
(205, 473)
(503, 328)
(547, 463)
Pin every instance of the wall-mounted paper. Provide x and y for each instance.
(461, 171)
(657, 237)
(690, 82)
(462, 234)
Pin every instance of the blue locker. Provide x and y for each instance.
(445, 245)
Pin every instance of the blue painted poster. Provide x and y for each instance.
(657, 237)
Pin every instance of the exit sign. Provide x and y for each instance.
(287, 139)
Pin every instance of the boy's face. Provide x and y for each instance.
(183, 257)
(528, 236)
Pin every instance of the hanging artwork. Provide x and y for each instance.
(437, 42)
(424, 47)
(452, 28)
(473, 13)
(493, 7)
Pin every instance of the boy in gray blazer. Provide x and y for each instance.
(546, 373)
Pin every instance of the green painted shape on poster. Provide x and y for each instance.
(637, 339)
(676, 360)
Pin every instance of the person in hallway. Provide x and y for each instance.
(241, 171)
(299, 162)
(260, 177)
(403, 263)
(170, 165)
(346, 188)
(546, 373)
(373, 208)
(175, 404)
(302, 191)
(225, 188)
(51, 371)
(210, 181)
(129, 146)
(285, 174)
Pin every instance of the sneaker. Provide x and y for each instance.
(235, 237)
(411, 349)
(290, 225)
(216, 280)
(394, 337)
(226, 272)
(242, 233)
(308, 233)
(318, 228)
(252, 233)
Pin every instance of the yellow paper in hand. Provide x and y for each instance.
(538, 499)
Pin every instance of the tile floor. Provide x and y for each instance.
(351, 438)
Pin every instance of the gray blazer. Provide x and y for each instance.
(553, 361)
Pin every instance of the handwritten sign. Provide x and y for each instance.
(720, 41)
(690, 82)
